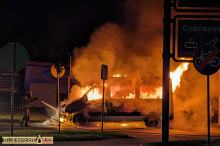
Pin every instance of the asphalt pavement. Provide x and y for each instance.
(140, 135)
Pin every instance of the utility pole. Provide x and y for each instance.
(58, 96)
(103, 105)
(208, 111)
(13, 86)
(166, 72)
(58, 71)
(104, 76)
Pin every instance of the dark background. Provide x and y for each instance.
(50, 29)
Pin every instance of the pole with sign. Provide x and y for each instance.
(104, 76)
(195, 39)
(13, 88)
(13, 57)
(193, 33)
(58, 71)
(206, 60)
(208, 111)
(166, 72)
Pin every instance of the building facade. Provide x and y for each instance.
(38, 78)
(5, 91)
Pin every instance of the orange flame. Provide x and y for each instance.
(119, 75)
(175, 78)
(156, 95)
(96, 94)
(130, 96)
(176, 75)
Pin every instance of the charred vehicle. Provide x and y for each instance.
(124, 101)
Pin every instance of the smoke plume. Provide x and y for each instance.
(134, 48)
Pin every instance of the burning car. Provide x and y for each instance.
(125, 101)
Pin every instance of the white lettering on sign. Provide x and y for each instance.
(198, 28)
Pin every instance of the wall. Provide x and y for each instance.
(45, 92)
(39, 79)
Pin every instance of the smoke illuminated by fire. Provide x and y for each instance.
(132, 48)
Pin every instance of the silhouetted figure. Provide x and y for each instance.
(27, 99)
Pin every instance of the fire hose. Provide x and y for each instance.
(84, 95)
(58, 120)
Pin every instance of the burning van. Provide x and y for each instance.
(125, 100)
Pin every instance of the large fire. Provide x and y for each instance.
(118, 75)
(176, 75)
(157, 94)
(96, 93)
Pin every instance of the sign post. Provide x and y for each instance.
(206, 60)
(192, 33)
(104, 76)
(195, 39)
(58, 71)
(166, 72)
(208, 111)
(198, 38)
(13, 57)
(13, 88)
(207, 57)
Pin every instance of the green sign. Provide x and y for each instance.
(192, 33)
(13, 53)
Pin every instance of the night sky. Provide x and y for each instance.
(50, 29)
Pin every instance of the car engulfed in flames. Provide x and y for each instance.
(124, 101)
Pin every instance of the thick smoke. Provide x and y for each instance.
(104, 48)
(190, 100)
(135, 48)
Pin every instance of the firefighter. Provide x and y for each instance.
(26, 101)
